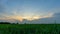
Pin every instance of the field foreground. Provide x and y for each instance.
(29, 28)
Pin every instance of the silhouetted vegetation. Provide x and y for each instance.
(5, 23)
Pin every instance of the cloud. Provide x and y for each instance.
(49, 20)
(16, 10)
(21, 18)
(56, 15)
(12, 19)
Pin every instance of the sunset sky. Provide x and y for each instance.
(11, 10)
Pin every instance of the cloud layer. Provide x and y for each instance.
(25, 10)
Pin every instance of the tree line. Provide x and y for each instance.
(7, 23)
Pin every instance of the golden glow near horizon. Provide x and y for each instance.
(20, 18)
(31, 18)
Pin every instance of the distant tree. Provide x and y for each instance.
(5, 23)
(24, 23)
(17, 23)
(13, 23)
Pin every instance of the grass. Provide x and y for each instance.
(29, 28)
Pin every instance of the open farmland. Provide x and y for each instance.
(29, 28)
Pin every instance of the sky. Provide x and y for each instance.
(17, 10)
